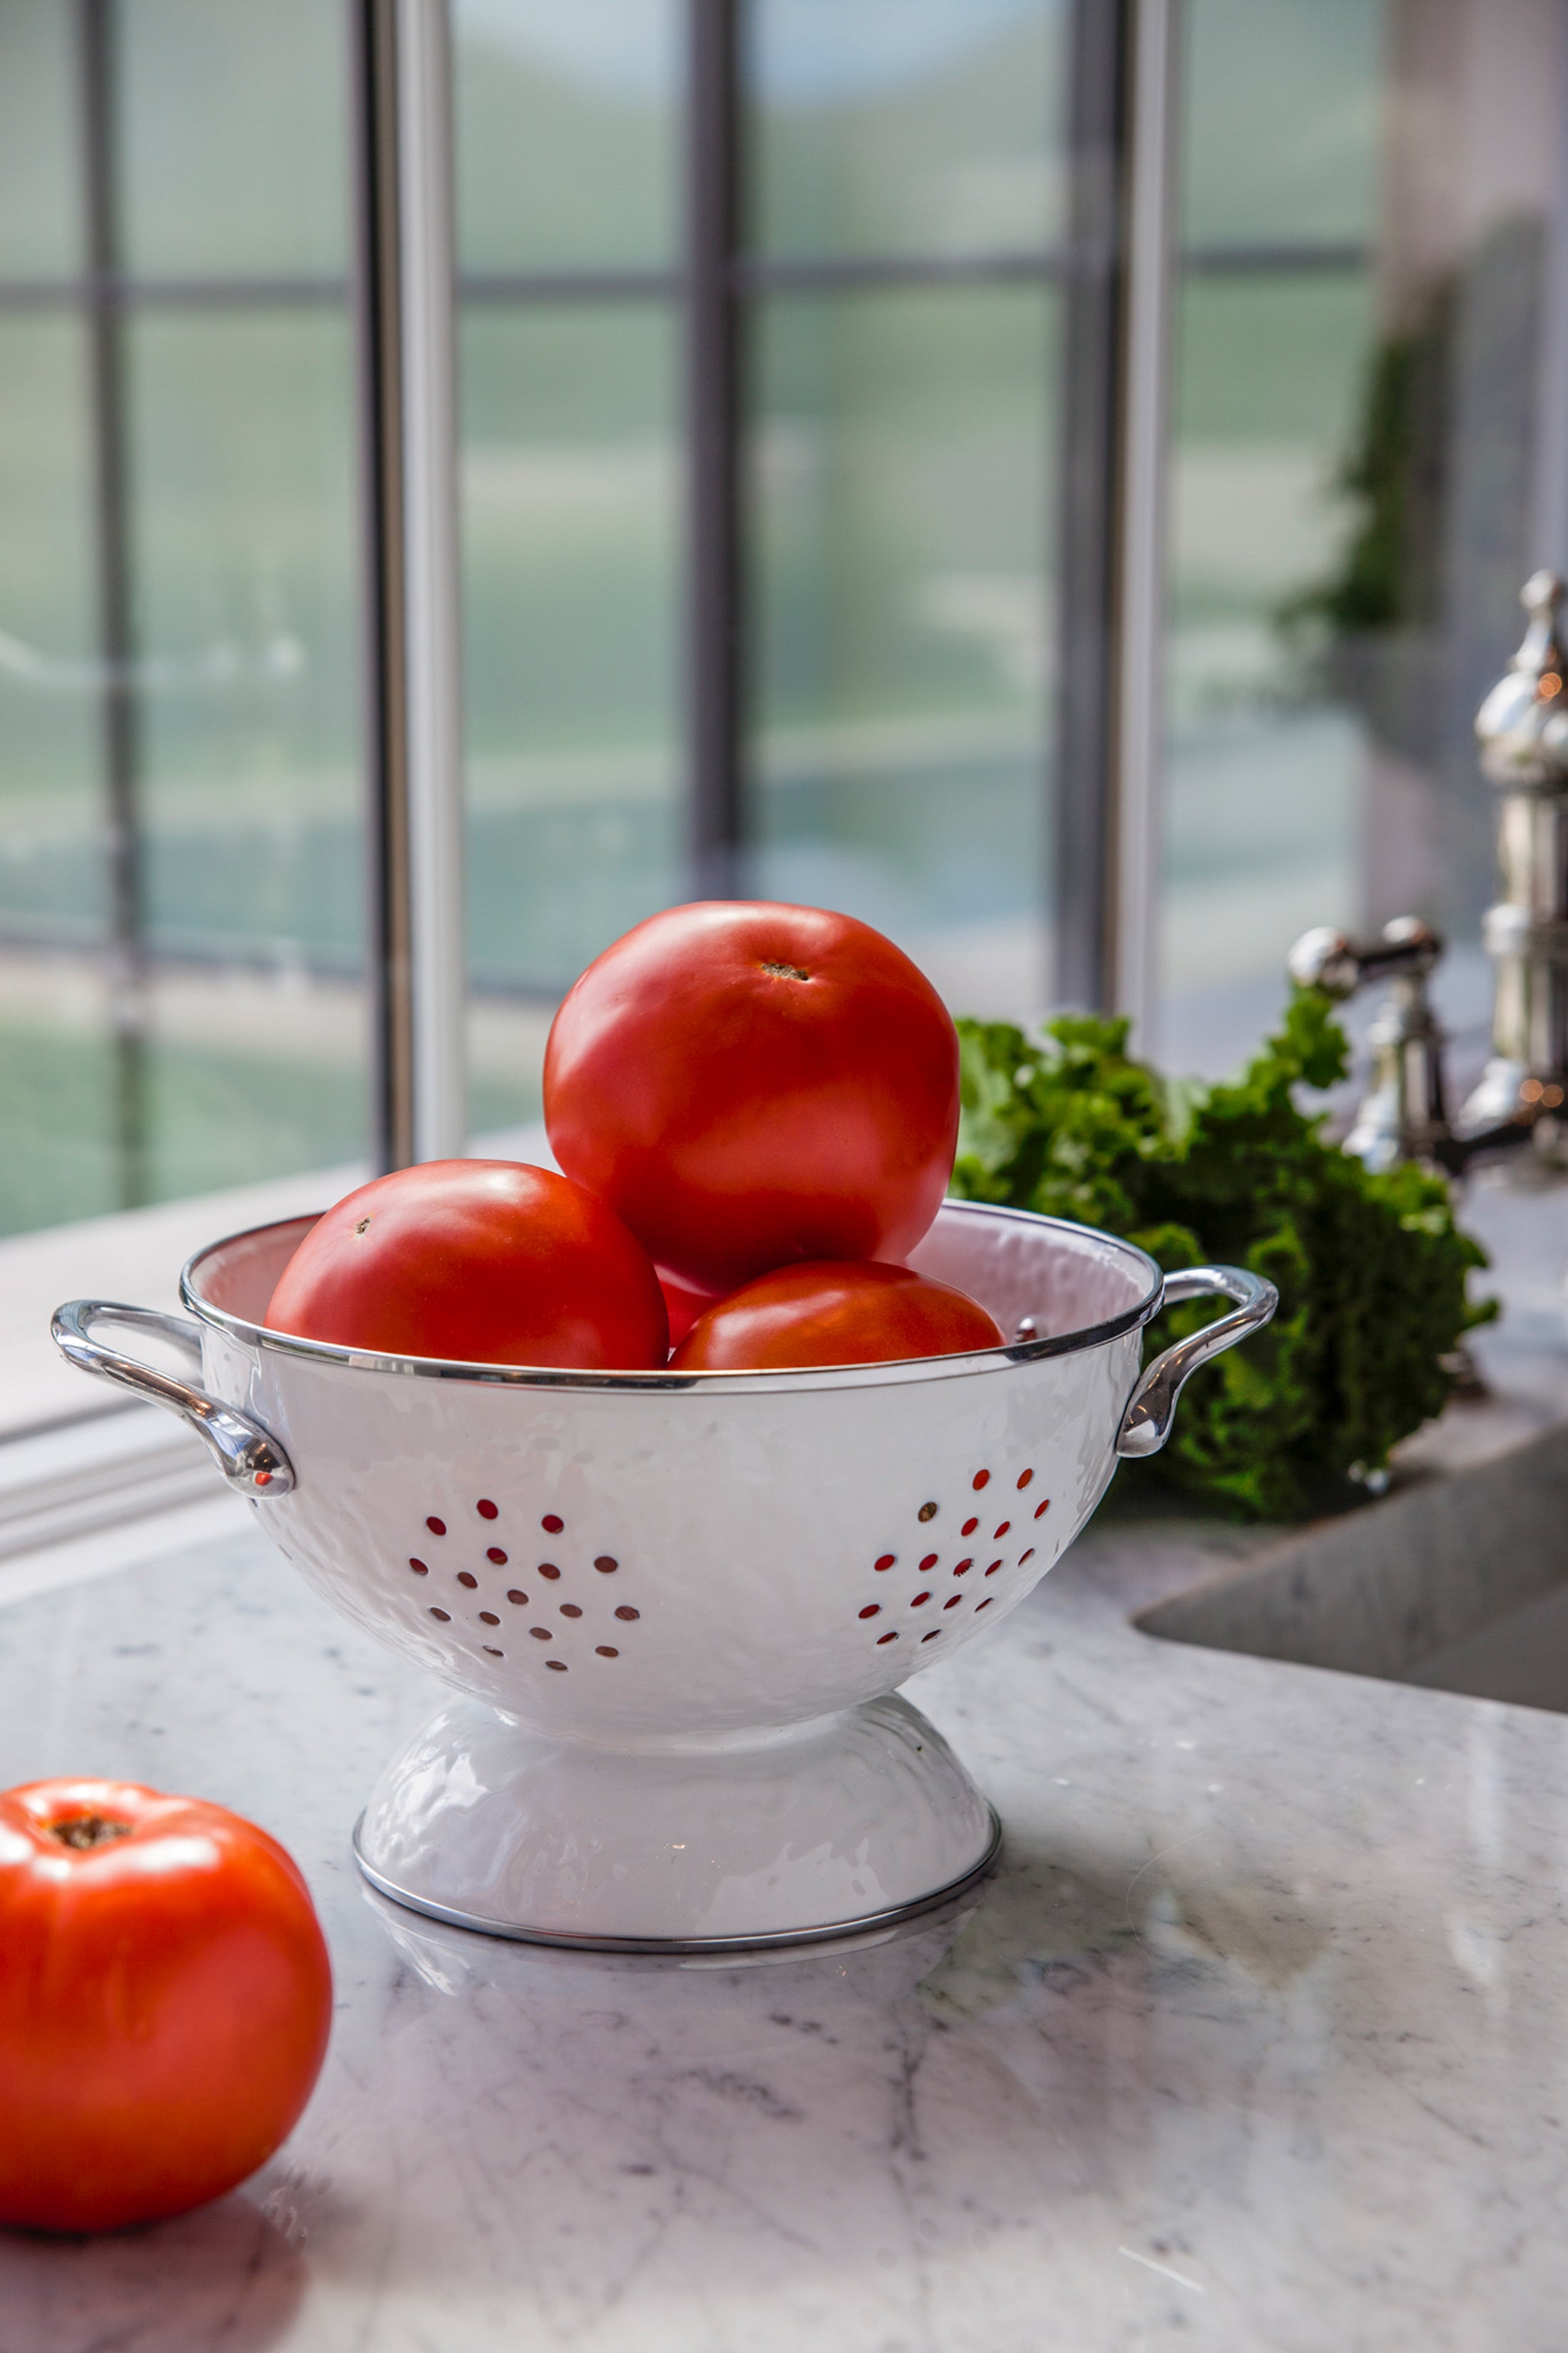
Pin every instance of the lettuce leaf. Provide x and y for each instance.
(1371, 1269)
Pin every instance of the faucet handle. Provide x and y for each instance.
(1403, 1113)
(1340, 965)
(1541, 650)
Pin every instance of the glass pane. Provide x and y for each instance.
(235, 148)
(249, 787)
(901, 518)
(571, 599)
(39, 218)
(886, 129)
(1263, 783)
(188, 1013)
(1281, 121)
(55, 1073)
(1369, 463)
(49, 846)
(566, 132)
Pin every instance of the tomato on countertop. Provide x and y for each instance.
(165, 1997)
(747, 1084)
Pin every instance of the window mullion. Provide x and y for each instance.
(401, 80)
(1113, 477)
(105, 327)
(1093, 326)
(715, 583)
(1142, 468)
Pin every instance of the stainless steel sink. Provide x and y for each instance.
(1458, 1581)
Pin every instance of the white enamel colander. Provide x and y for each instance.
(676, 1607)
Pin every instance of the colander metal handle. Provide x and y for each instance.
(248, 1455)
(1150, 1409)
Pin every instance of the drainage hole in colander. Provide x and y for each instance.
(605, 1651)
(1001, 1531)
(887, 1561)
(551, 1524)
(933, 1635)
(494, 1552)
(444, 1615)
(556, 1666)
(969, 1527)
(964, 1568)
(885, 1637)
(926, 1511)
(488, 1618)
(465, 1577)
(983, 1605)
(917, 1599)
(1041, 1509)
(519, 1601)
(952, 1602)
(492, 1654)
(1023, 1479)
(981, 1479)
(420, 1567)
(570, 1609)
(606, 1563)
(927, 1564)
(548, 1568)
(436, 1527)
(486, 1509)
(627, 1612)
(994, 1568)
(1023, 1557)
(873, 1609)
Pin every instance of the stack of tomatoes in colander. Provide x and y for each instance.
(755, 1107)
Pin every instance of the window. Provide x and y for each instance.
(182, 935)
(824, 369)
(568, 145)
(1368, 460)
(777, 622)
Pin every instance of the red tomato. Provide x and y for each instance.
(751, 1084)
(856, 1312)
(487, 1261)
(164, 2002)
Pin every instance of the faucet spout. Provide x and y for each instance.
(1404, 1113)
(1522, 731)
(1519, 1112)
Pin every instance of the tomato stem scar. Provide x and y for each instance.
(88, 1830)
(362, 1227)
(786, 971)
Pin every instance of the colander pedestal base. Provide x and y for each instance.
(826, 1828)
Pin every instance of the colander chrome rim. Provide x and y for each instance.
(875, 1375)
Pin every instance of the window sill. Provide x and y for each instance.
(136, 1256)
(89, 1480)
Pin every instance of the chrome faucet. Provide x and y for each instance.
(1521, 1103)
(1403, 1112)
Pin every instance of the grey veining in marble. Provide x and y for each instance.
(1256, 2043)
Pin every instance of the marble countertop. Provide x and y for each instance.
(1255, 2043)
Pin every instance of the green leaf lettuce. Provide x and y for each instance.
(1371, 1269)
